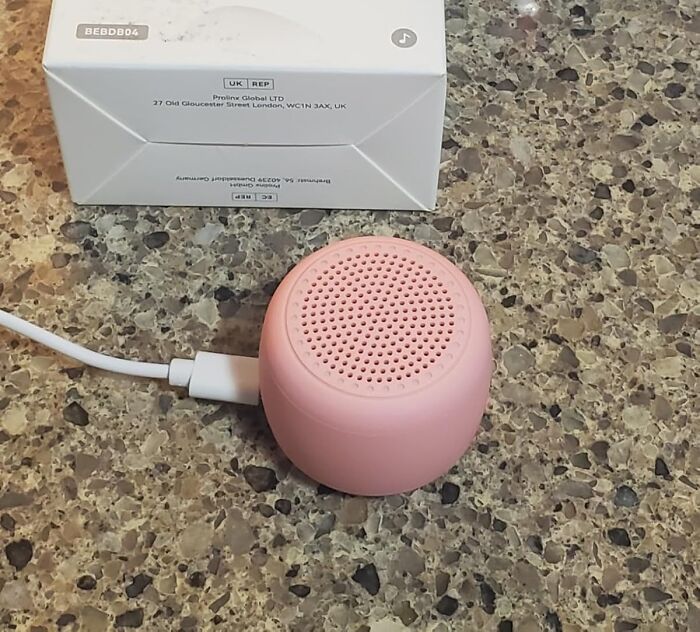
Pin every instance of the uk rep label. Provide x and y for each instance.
(112, 31)
(249, 84)
(250, 93)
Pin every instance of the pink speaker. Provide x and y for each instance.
(375, 365)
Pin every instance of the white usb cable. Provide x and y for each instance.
(213, 376)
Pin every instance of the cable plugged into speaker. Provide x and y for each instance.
(374, 371)
(220, 377)
(214, 376)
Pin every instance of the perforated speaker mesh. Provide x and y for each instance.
(377, 316)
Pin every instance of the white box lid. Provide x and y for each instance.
(348, 35)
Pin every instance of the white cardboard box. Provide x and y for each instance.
(282, 103)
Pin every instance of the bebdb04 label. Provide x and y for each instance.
(112, 31)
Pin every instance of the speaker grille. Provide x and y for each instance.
(377, 315)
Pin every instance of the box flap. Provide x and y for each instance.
(403, 155)
(212, 175)
(391, 160)
(81, 124)
(170, 106)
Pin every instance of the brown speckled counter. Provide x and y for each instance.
(570, 195)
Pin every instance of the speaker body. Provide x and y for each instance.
(375, 365)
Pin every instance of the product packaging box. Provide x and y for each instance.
(279, 103)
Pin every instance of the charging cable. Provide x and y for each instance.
(213, 376)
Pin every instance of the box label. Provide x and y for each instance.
(248, 84)
(257, 189)
(112, 31)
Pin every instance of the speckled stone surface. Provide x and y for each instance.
(570, 196)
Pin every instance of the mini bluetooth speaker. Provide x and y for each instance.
(375, 365)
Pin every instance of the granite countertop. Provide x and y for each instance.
(570, 191)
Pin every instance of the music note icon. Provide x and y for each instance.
(404, 38)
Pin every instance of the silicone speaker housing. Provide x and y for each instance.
(375, 365)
